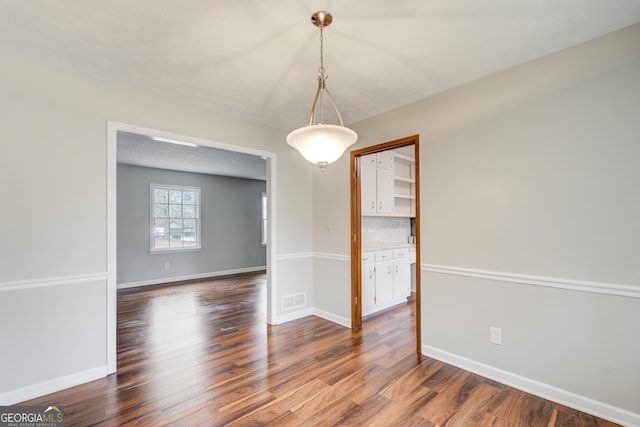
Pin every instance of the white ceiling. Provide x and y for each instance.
(258, 60)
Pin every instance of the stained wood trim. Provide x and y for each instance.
(418, 257)
(356, 248)
(356, 231)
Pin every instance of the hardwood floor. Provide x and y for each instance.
(201, 354)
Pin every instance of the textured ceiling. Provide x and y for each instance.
(258, 60)
(141, 150)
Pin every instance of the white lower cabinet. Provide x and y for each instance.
(401, 274)
(368, 282)
(386, 279)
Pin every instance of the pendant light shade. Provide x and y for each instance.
(322, 143)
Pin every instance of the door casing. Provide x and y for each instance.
(356, 230)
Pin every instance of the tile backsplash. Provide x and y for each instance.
(385, 229)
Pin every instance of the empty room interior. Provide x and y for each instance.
(321, 213)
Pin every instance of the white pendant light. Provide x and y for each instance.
(322, 143)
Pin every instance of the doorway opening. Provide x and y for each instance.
(405, 200)
(116, 129)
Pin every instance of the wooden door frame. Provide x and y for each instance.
(356, 230)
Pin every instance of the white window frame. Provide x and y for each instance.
(264, 209)
(152, 228)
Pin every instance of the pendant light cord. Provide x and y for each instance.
(321, 69)
(322, 88)
(321, 76)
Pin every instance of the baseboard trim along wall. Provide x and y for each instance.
(549, 282)
(58, 380)
(51, 386)
(332, 317)
(163, 280)
(312, 311)
(546, 391)
(295, 315)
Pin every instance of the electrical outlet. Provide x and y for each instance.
(167, 265)
(495, 335)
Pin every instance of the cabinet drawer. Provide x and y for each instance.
(367, 258)
(401, 253)
(383, 255)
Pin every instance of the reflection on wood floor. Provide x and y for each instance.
(201, 354)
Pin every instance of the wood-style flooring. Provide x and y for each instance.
(201, 354)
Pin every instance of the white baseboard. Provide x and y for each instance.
(51, 386)
(163, 280)
(546, 391)
(332, 317)
(288, 317)
(312, 311)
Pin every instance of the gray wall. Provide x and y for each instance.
(230, 212)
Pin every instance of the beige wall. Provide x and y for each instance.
(530, 207)
(530, 173)
(53, 184)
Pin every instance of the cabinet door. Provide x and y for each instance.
(384, 191)
(369, 160)
(384, 281)
(368, 286)
(368, 189)
(384, 160)
(401, 278)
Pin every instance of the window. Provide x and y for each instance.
(175, 218)
(264, 219)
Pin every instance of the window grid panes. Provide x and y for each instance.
(175, 218)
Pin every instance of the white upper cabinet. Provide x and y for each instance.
(376, 184)
(384, 160)
(384, 191)
(369, 160)
(387, 184)
(368, 188)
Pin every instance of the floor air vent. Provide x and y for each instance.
(294, 300)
